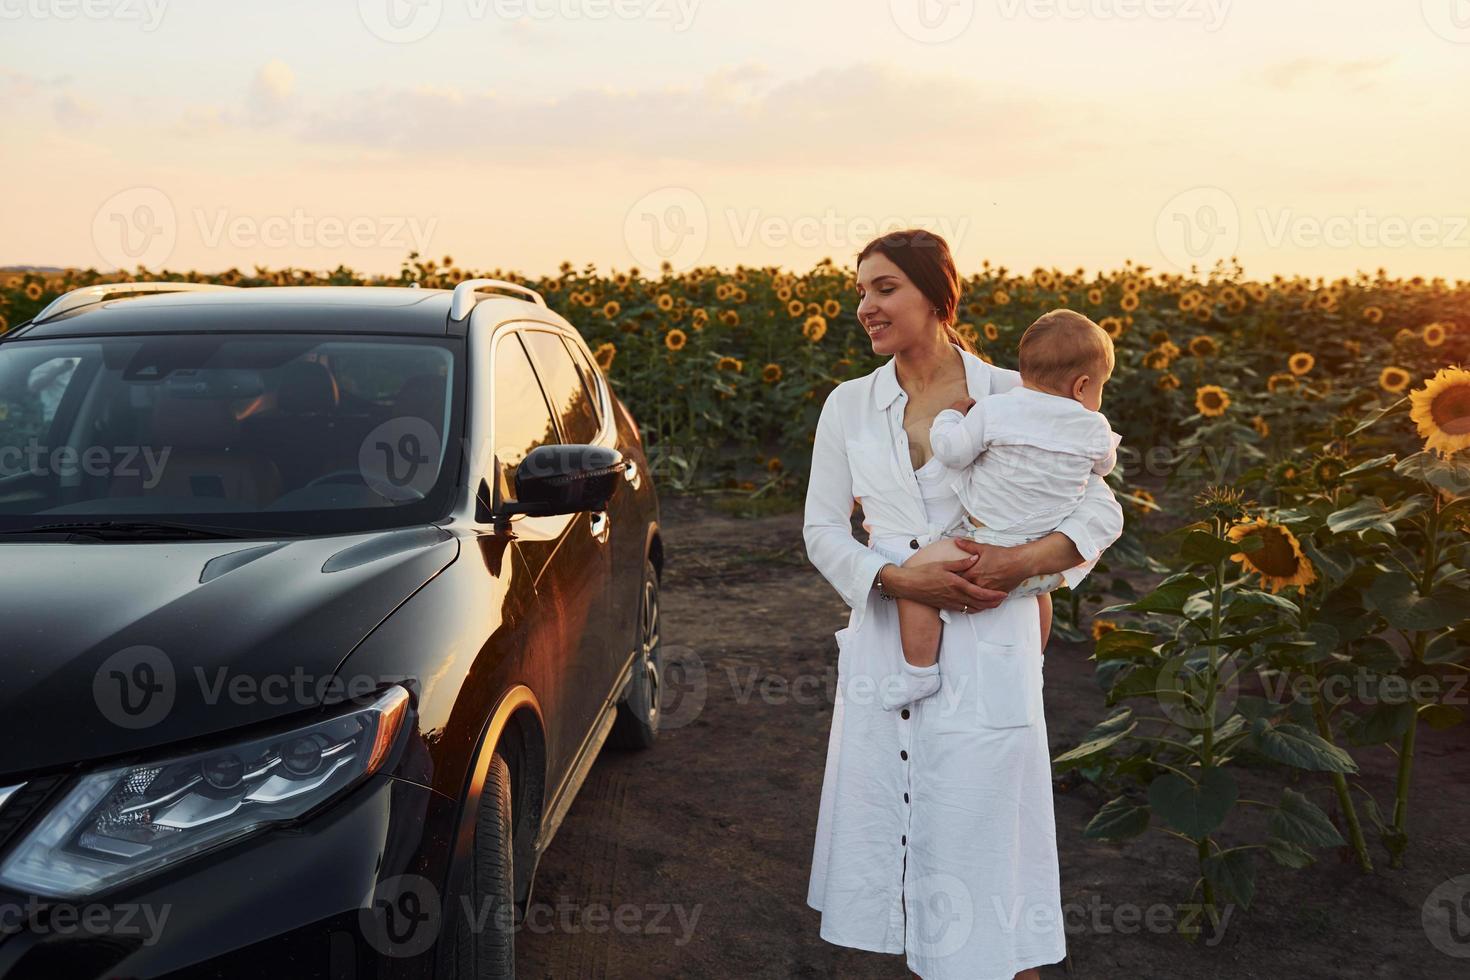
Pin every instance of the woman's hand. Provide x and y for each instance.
(995, 566)
(942, 585)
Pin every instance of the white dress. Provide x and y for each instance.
(936, 836)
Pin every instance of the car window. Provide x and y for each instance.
(522, 420)
(564, 389)
(589, 377)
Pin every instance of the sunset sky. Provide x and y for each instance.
(1305, 136)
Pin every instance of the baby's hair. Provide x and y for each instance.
(1061, 345)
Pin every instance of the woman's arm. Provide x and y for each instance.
(827, 526)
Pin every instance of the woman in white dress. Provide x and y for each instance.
(935, 836)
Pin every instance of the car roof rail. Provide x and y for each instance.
(90, 295)
(466, 295)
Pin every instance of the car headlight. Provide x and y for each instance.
(119, 824)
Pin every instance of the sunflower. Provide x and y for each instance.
(1373, 314)
(991, 331)
(1300, 363)
(1145, 500)
(675, 339)
(1393, 379)
(1112, 326)
(730, 318)
(1000, 297)
(1353, 347)
(1129, 302)
(1189, 301)
(1328, 470)
(1284, 473)
(611, 309)
(1156, 360)
(1094, 296)
(1441, 409)
(815, 328)
(722, 291)
(831, 308)
(969, 333)
(784, 294)
(1279, 560)
(1158, 337)
(1170, 349)
(1211, 400)
(1262, 427)
(4, 324)
(1101, 626)
(1281, 382)
(665, 302)
(33, 290)
(604, 356)
(1204, 346)
(1169, 382)
(1434, 335)
(771, 373)
(729, 364)
(773, 465)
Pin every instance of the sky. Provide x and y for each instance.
(1314, 137)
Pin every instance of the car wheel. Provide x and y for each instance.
(638, 713)
(487, 951)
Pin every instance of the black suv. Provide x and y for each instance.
(318, 606)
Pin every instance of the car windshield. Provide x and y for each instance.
(291, 433)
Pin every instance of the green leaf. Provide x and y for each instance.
(1138, 679)
(1370, 513)
(1397, 597)
(1369, 466)
(1451, 475)
(1193, 809)
(1441, 716)
(1298, 747)
(1288, 854)
(1402, 405)
(1205, 548)
(1117, 820)
(1446, 648)
(1300, 821)
(1248, 602)
(1383, 723)
(1170, 595)
(1233, 875)
(1094, 745)
(1121, 644)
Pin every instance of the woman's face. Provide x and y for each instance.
(891, 308)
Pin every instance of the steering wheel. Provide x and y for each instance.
(356, 476)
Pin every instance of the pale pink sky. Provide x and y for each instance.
(1301, 135)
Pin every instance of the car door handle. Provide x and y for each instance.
(599, 525)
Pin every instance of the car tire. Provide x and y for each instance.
(488, 953)
(640, 709)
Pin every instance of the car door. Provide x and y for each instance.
(602, 651)
(559, 555)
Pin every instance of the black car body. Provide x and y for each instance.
(406, 546)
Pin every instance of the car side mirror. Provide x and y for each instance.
(565, 480)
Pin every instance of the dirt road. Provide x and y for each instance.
(691, 860)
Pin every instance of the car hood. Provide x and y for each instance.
(113, 648)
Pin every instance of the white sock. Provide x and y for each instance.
(910, 685)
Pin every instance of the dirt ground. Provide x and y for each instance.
(690, 860)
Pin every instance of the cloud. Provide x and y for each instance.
(1291, 75)
(72, 112)
(270, 92)
(738, 117)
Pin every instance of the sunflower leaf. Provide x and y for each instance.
(1092, 746)
(1118, 819)
(1296, 746)
(1397, 597)
(1451, 475)
(1300, 821)
(1370, 513)
(1233, 875)
(1204, 547)
(1123, 644)
(1368, 466)
(1402, 405)
(1193, 809)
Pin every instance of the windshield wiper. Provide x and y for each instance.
(148, 530)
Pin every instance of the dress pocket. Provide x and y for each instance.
(1009, 684)
(872, 469)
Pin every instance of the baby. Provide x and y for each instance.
(1026, 457)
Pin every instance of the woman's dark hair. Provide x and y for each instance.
(924, 257)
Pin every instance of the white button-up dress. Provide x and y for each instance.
(935, 835)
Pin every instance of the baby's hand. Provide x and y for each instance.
(964, 405)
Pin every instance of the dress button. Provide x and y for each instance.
(904, 839)
(904, 713)
(913, 542)
(905, 797)
(903, 754)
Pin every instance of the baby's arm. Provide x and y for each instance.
(958, 438)
(1104, 466)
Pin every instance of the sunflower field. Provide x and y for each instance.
(1295, 471)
